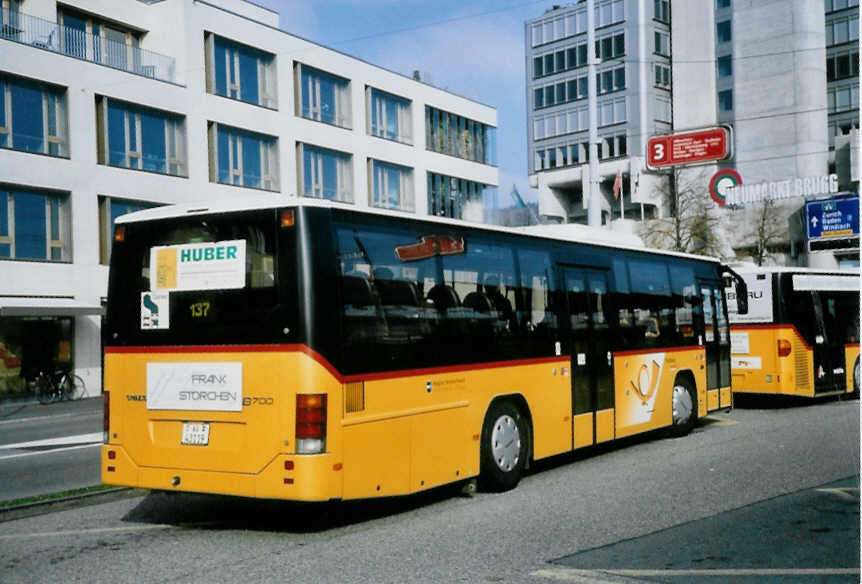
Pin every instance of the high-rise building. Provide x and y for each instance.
(786, 85)
(633, 101)
(112, 106)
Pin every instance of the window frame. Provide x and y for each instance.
(57, 215)
(342, 115)
(268, 155)
(48, 93)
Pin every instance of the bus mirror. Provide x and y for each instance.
(741, 297)
(735, 281)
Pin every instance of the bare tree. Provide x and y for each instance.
(690, 226)
(768, 232)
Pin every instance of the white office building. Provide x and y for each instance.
(110, 106)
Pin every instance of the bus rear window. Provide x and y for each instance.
(201, 280)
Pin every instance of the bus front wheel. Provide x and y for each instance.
(503, 448)
(684, 408)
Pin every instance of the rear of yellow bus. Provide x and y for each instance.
(210, 384)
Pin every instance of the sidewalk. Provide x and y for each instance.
(27, 406)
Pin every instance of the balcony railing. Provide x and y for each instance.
(44, 34)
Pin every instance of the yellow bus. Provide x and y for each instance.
(800, 336)
(312, 352)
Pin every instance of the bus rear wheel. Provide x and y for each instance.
(855, 394)
(503, 448)
(684, 408)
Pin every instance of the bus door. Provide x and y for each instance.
(716, 339)
(590, 340)
(828, 347)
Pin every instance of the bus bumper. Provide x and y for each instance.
(311, 478)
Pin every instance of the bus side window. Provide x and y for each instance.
(651, 304)
(537, 303)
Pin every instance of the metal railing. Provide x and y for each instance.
(44, 34)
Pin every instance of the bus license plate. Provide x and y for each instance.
(196, 433)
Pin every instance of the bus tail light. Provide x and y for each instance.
(783, 347)
(106, 416)
(310, 423)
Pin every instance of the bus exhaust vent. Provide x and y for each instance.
(354, 397)
(801, 364)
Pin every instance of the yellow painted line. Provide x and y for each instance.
(621, 576)
(95, 531)
(847, 493)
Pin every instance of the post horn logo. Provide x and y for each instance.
(720, 182)
(647, 382)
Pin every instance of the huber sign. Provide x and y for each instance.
(695, 147)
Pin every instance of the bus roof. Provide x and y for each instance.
(585, 235)
(793, 270)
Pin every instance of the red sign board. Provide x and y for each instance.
(688, 148)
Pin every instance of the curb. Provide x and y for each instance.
(71, 502)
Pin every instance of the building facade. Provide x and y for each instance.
(782, 74)
(633, 102)
(110, 106)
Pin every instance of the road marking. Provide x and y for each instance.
(847, 493)
(91, 437)
(85, 531)
(35, 418)
(621, 576)
(52, 451)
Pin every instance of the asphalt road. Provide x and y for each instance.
(658, 510)
(50, 448)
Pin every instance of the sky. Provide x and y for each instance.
(474, 49)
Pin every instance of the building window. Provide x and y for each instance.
(33, 117)
(842, 66)
(611, 80)
(843, 99)
(539, 98)
(661, 10)
(841, 31)
(10, 14)
(725, 66)
(391, 186)
(105, 42)
(662, 76)
(722, 31)
(610, 47)
(662, 43)
(726, 4)
(132, 136)
(325, 174)
(34, 226)
(389, 116)
(609, 12)
(833, 5)
(243, 158)
(240, 72)
(109, 209)
(323, 97)
(725, 100)
(455, 135)
(663, 109)
(456, 197)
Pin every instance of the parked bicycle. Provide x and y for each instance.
(59, 385)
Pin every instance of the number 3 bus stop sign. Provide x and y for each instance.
(695, 147)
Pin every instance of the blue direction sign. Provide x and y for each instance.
(833, 217)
